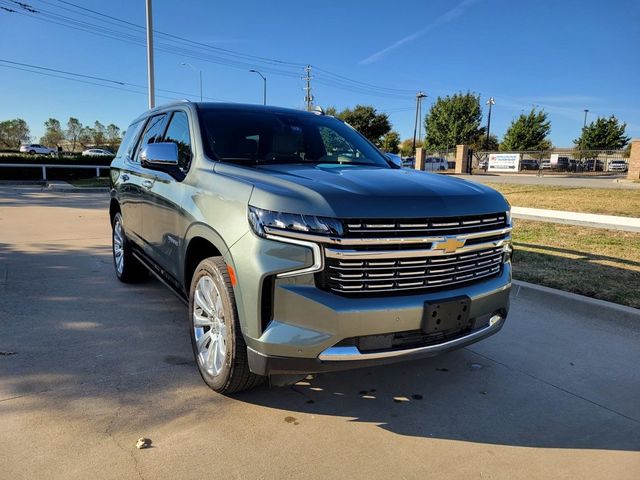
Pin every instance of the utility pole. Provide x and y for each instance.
(584, 124)
(491, 102)
(308, 98)
(419, 97)
(150, 73)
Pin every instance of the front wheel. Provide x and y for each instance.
(216, 337)
(128, 268)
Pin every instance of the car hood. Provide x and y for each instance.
(358, 191)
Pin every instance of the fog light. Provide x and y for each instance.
(508, 252)
(494, 319)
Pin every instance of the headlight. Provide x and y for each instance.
(508, 215)
(265, 222)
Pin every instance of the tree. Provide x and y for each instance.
(390, 142)
(367, 121)
(98, 134)
(73, 131)
(406, 148)
(53, 133)
(528, 132)
(113, 136)
(603, 134)
(453, 120)
(13, 133)
(85, 138)
(486, 145)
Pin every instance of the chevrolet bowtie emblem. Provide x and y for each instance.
(450, 245)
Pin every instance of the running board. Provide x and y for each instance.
(157, 272)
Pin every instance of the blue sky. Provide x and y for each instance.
(563, 56)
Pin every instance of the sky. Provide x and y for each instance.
(563, 56)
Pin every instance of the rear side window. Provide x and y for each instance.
(129, 141)
(152, 133)
(178, 133)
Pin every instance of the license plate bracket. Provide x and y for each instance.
(446, 315)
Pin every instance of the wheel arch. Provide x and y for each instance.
(201, 242)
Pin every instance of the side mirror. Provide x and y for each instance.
(395, 160)
(160, 155)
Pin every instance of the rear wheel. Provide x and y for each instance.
(216, 338)
(128, 268)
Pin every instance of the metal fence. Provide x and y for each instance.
(44, 167)
(561, 162)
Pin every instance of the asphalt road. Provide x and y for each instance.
(89, 365)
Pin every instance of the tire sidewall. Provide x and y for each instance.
(209, 268)
(118, 218)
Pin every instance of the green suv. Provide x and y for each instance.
(299, 247)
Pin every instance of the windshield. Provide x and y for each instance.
(254, 137)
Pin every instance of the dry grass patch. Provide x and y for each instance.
(608, 201)
(602, 264)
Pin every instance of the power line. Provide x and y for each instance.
(47, 71)
(330, 79)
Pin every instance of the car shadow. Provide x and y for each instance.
(69, 331)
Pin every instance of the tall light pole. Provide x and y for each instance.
(150, 73)
(199, 75)
(419, 97)
(584, 124)
(264, 86)
(491, 102)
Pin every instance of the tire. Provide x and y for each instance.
(216, 338)
(128, 268)
(32, 152)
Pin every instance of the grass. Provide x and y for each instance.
(90, 182)
(608, 201)
(598, 263)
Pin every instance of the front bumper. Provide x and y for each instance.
(306, 323)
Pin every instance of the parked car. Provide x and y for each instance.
(589, 165)
(528, 164)
(545, 165)
(409, 162)
(617, 166)
(36, 148)
(97, 152)
(293, 259)
(435, 164)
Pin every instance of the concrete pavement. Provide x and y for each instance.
(89, 365)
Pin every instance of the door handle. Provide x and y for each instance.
(125, 177)
(147, 184)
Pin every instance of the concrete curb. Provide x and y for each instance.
(589, 306)
(611, 222)
(79, 190)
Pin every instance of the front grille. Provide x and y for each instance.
(358, 228)
(412, 275)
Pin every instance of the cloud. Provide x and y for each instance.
(441, 20)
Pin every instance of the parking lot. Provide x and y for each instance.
(89, 365)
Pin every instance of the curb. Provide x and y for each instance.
(78, 190)
(574, 301)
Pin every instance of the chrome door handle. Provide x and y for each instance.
(125, 177)
(147, 184)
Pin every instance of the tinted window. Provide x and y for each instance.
(255, 137)
(152, 133)
(129, 141)
(178, 133)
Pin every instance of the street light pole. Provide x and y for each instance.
(491, 102)
(584, 124)
(199, 75)
(150, 70)
(419, 97)
(264, 86)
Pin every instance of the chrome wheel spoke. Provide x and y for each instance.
(208, 313)
(201, 341)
